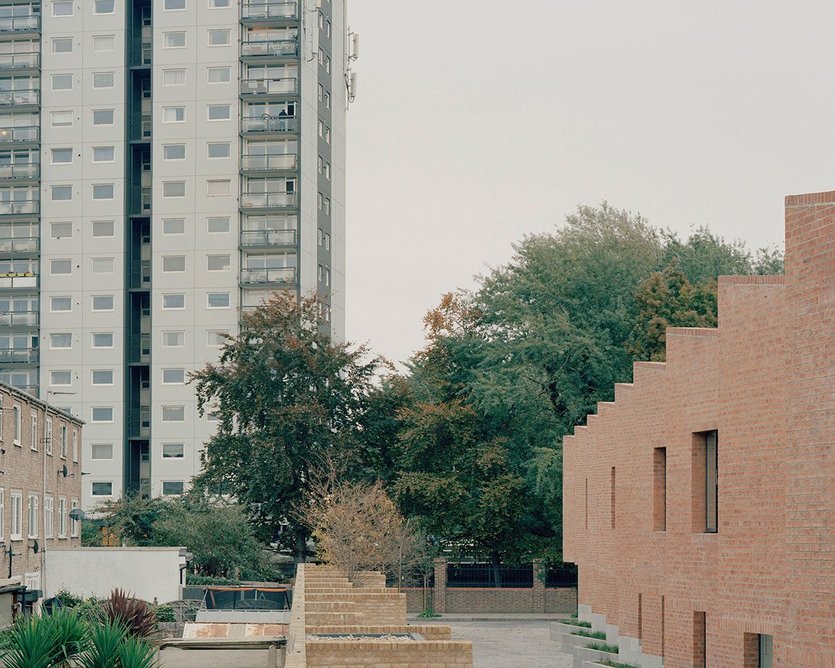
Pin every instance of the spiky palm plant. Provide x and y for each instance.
(105, 642)
(32, 645)
(136, 653)
(136, 615)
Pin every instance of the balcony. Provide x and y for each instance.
(140, 277)
(18, 356)
(19, 245)
(22, 207)
(18, 280)
(17, 135)
(20, 23)
(274, 276)
(276, 10)
(19, 319)
(273, 48)
(285, 86)
(139, 348)
(273, 200)
(266, 123)
(24, 170)
(279, 162)
(20, 61)
(267, 238)
(18, 98)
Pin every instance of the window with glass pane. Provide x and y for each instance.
(712, 481)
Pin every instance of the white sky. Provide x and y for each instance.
(478, 121)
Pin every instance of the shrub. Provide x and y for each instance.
(136, 615)
(165, 614)
(597, 635)
(106, 639)
(193, 579)
(134, 653)
(429, 613)
(576, 622)
(603, 647)
(617, 664)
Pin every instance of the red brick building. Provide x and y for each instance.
(700, 504)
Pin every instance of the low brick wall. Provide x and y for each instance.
(344, 653)
(428, 631)
(496, 600)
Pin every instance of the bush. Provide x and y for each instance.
(617, 664)
(193, 579)
(603, 647)
(597, 635)
(576, 622)
(429, 613)
(165, 614)
(136, 615)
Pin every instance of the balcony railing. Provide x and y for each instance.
(20, 23)
(20, 245)
(140, 277)
(19, 356)
(260, 238)
(266, 163)
(285, 86)
(28, 133)
(24, 170)
(270, 47)
(14, 61)
(267, 123)
(268, 276)
(18, 280)
(19, 207)
(19, 319)
(270, 10)
(20, 97)
(276, 200)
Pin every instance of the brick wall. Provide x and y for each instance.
(765, 380)
(32, 470)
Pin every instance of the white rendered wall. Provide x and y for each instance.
(338, 167)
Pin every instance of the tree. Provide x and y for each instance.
(287, 396)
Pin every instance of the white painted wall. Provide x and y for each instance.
(145, 572)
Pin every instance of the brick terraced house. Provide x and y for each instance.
(700, 504)
(40, 486)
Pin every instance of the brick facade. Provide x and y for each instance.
(639, 490)
(36, 492)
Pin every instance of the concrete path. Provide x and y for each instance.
(510, 643)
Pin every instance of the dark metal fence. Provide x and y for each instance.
(488, 575)
(561, 576)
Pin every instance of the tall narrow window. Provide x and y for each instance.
(711, 482)
(640, 617)
(612, 499)
(758, 650)
(699, 640)
(659, 489)
(587, 503)
(766, 651)
(662, 627)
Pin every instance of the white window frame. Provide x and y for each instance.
(17, 412)
(48, 435)
(32, 511)
(75, 525)
(48, 516)
(33, 436)
(16, 513)
(62, 517)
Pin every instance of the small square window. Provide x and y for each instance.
(61, 156)
(61, 341)
(218, 300)
(103, 228)
(103, 191)
(62, 8)
(61, 266)
(173, 376)
(173, 114)
(101, 451)
(102, 340)
(104, 154)
(174, 4)
(104, 6)
(174, 77)
(217, 224)
(102, 116)
(218, 4)
(174, 152)
(60, 230)
(62, 377)
(218, 187)
(174, 40)
(104, 79)
(220, 37)
(61, 119)
(219, 263)
(219, 74)
(101, 377)
(173, 225)
(103, 302)
(172, 450)
(101, 489)
(62, 44)
(172, 488)
(101, 414)
(103, 43)
(62, 82)
(173, 413)
(173, 339)
(171, 263)
(219, 112)
(101, 265)
(173, 302)
(173, 188)
(60, 304)
(220, 149)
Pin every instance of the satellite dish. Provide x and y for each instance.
(64, 471)
(35, 547)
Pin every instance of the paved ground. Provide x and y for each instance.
(515, 643)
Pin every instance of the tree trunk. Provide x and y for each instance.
(497, 576)
(301, 547)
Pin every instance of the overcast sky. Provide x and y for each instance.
(479, 121)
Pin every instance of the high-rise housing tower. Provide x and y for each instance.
(164, 165)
